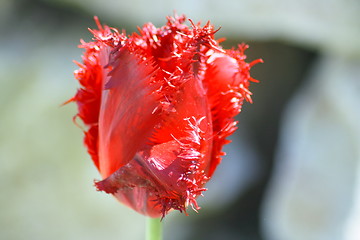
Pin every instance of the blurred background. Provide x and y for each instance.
(291, 173)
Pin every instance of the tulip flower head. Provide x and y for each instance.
(158, 106)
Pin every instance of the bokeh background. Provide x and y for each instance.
(291, 173)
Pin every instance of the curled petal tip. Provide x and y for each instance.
(256, 62)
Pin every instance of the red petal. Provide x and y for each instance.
(88, 98)
(126, 115)
(227, 82)
(91, 76)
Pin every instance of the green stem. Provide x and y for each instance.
(153, 229)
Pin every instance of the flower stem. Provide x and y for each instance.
(153, 229)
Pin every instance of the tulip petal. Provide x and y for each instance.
(126, 113)
(227, 81)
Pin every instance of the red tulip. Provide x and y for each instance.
(158, 107)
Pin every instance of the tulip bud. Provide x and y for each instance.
(158, 106)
